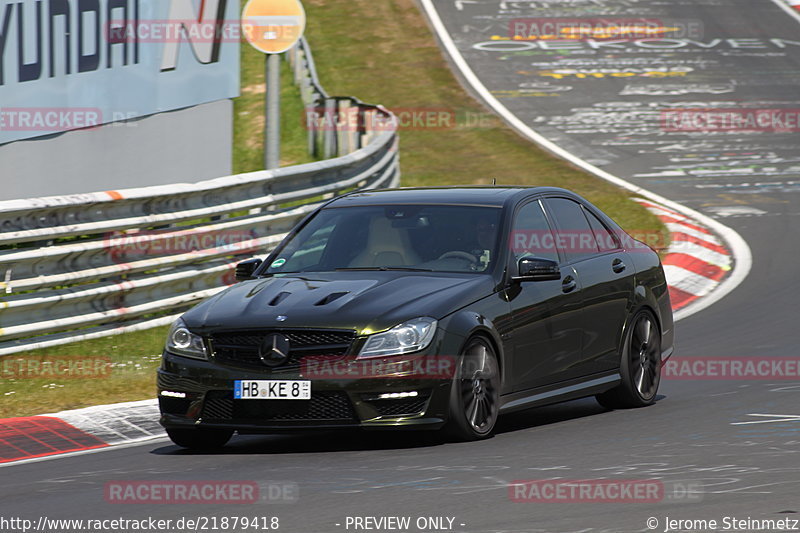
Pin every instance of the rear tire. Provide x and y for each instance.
(200, 439)
(640, 366)
(475, 392)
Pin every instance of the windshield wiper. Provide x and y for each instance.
(387, 269)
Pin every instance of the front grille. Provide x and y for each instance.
(240, 348)
(327, 406)
(400, 407)
(218, 406)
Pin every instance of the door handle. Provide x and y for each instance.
(569, 284)
(618, 266)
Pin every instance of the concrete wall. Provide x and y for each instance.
(187, 145)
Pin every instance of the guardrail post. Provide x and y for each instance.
(311, 118)
(299, 64)
(362, 127)
(342, 127)
(329, 129)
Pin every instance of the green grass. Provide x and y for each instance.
(248, 131)
(392, 59)
(389, 57)
(131, 375)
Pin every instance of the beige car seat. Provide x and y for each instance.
(386, 246)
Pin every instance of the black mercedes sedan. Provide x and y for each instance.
(422, 308)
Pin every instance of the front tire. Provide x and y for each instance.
(640, 366)
(200, 439)
(474, 394)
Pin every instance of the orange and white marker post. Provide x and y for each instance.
(273, 27)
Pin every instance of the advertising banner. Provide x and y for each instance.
(72, 64)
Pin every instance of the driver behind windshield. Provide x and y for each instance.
(441, 238)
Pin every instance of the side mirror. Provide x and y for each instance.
(245, 269)
(536, 269)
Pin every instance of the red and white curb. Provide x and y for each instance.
(696, 261)
(35, 438)
(792, 7)
(795, 4)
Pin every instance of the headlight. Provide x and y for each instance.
(183, 342)
(407, 337)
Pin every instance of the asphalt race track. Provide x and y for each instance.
(743, 55)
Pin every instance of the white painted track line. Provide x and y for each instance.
(739, 248)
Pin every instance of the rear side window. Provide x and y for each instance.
(574, 237)
(606, 240)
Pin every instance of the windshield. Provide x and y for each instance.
(437, 238)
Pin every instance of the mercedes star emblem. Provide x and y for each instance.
(274, 349)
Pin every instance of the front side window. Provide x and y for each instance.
(438, 238)
(531, 235)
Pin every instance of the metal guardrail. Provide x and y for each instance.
(89, 265)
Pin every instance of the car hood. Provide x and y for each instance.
(349, 300)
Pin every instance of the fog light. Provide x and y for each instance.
(171, 394)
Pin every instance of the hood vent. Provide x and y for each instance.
(331, 297)
(281, 296)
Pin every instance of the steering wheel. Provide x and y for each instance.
(457, 254)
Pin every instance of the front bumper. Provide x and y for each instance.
(338, 401)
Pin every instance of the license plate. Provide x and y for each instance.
(271, 389)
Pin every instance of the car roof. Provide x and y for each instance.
(493, 196)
